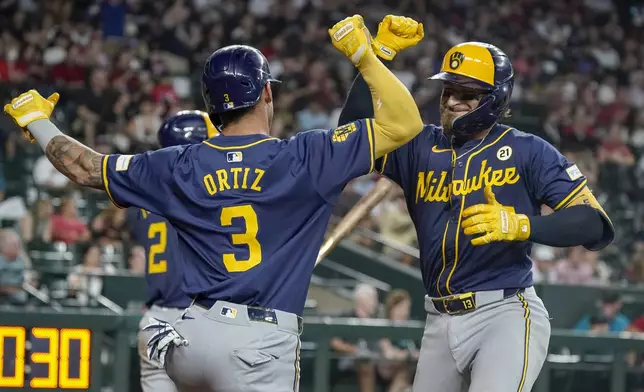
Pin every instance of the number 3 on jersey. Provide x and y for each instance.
(248, 238)
(161, 266)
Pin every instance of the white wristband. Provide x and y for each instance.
(43, 131)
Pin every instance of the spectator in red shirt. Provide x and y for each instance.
(66, 225)
(637, 325)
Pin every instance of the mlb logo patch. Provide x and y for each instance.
(123, 162)
(233, 157)
(229, 105)
(229, 312)
(574, 172)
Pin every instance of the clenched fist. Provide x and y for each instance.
(29, 107)
(396, 33)
(352, 38)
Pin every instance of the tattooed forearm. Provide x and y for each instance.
(78, 162)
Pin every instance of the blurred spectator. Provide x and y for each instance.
(543, 261)
(396, 368)
(13, 268)
(67, 226)
(357, 355)
(580, 267)
(395, 224)
(96, 108)
(47, 177)
(614, 149)
(609, 312)
(109, 227)
(136, 261)
(37, 225)
(144, 126)
(637, 325)
(85, 280)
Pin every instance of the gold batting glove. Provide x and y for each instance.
(494, 221)
(396, 33)
(352, 38)
(29, 107)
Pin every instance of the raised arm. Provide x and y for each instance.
(395, 33)
(396, 119)
(75, 160)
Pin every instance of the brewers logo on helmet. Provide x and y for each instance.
(483, 67)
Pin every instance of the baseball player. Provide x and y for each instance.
(250, 210)
(474, 188)
(164, 267)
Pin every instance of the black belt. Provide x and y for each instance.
(255, 313)
(466, 302)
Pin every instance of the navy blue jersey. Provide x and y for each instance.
(250, 211)
(164, 265)
(440, 182)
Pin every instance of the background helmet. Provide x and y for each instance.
(186, 127)
(233, 78)
(484, 66)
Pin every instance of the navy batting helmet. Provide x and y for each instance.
(233, 78)
(186, 127)
(486, 67)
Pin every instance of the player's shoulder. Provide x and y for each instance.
(431, 135)
(524, 139)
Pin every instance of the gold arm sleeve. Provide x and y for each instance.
(396, 116)
(586, 197)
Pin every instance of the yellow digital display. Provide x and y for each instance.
(42, 357)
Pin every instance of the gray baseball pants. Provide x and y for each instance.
(230, 351)
(498, 347)
(154, 379)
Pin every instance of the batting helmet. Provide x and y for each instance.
(233, 78)
(484, 66)
(186, 127)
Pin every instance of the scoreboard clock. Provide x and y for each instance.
(44, 358)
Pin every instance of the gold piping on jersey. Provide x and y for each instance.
(239, 147)
(372, 151)
(460, 212)
(384, 162)
(106, 182)
(438, 281)
(446, 227)
(144, 213)
(526, 339)
(571, 194)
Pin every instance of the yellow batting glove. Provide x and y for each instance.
(396, 33)
(352, 38)
(494, 221)
(29, 107)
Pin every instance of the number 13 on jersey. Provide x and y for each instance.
(248, 238)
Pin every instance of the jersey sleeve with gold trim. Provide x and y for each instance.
(335, 157)
(141, 180)
(554, 179)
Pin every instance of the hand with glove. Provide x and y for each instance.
(29, 107)
(494, 221)
(352, 38)
(164, 337)
(396, 33)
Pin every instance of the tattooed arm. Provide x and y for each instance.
(78, 162)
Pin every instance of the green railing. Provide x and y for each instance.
(116, 335)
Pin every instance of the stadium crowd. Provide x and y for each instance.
(122, 66)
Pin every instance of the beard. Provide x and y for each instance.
(447, 119)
